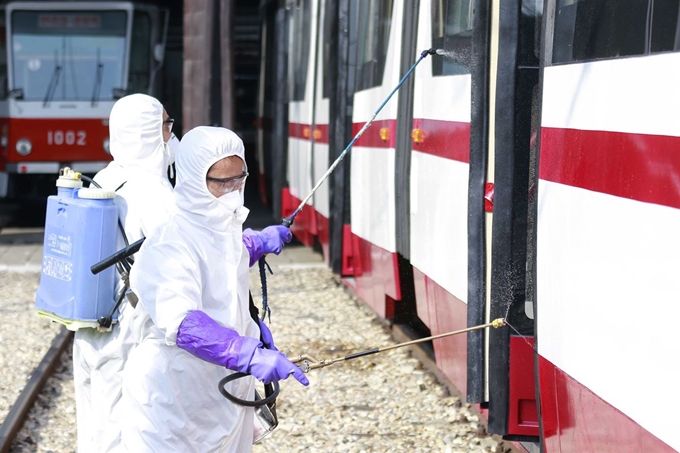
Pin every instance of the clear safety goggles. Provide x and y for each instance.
(226, 185)
(168, 124)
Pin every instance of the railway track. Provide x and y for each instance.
(17, 415)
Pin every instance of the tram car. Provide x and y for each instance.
(62, 67)
(527, 171)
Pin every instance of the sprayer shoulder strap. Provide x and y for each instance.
(254, 312)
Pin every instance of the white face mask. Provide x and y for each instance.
(168, 154)
(231, 201)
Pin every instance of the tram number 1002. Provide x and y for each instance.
(66, 138)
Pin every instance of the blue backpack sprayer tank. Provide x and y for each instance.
(80, 230)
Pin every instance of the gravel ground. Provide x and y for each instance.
(24, 337)
(51, 423)
(380, 403)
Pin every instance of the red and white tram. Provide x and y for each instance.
(62, 66)
(530, 174)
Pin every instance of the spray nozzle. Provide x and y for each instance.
(496, 323)
(426, 52)
(287, 221)
(69, 178)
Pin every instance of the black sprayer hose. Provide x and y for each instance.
(262, 264)
(232, 377)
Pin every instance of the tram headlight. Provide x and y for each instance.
(106, 146)
(23, 147)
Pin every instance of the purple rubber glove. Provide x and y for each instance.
(269, 366)
(203, 337)
(266, 335)
(269, 240)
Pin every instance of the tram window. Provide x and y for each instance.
(326, 49)
(595, 29)
(373, 34)
(452, 31)
(269, 73)
(300, 37)
(140, 53)
(665, 26)
(3, 57)
(530, 32)
(67, 55)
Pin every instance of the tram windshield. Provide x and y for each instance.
(68, 55)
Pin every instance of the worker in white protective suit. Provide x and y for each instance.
(139, 128)
(192, 323)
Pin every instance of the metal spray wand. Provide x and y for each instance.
(288, 221)
(308, 363)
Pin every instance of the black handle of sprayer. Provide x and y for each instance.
(118, 256)
(232, 377)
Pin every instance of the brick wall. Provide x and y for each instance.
(198, 32)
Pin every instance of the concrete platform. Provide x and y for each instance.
(21, 249)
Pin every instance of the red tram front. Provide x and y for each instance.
(63, 65)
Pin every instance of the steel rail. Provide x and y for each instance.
(17, 414)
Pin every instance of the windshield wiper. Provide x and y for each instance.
(54, 81)
(98, 80)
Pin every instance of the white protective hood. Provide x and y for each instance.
(136, 135)
(204, 146)
(140, 160)
(197, 262)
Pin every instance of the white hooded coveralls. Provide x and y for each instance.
(140, 160)
(197, 262)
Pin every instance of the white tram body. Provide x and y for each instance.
(529, 174)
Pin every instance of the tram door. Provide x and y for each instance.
(506, 49)
(377, 39)
(320, 136)
(4, 106)
(439, 178)
(303, 23)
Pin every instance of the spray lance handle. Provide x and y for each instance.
(288, 221)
